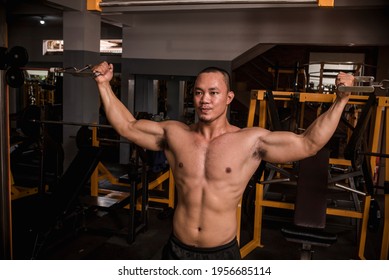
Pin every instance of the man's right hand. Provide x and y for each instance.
(103, 72)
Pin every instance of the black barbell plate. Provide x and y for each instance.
(17, 56)
(14, 77)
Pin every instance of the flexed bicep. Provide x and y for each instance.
(146, 133)
(282, 147)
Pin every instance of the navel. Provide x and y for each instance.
(181, 165)
(199, 229)
(228, 170)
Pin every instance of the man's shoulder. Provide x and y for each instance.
(256, 130)
(233, 128)
(174, 124)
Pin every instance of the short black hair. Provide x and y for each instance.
(214, 69)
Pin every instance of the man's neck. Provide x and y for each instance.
(212, 130)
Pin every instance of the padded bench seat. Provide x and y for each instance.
(316, 237)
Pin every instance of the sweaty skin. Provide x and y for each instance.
(212, 160)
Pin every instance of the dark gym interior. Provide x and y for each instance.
(73, 189)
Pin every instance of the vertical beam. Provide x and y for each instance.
(253, 104)
(376, 135)
(257, 232)
(127, 97)
(80, 98)
(365, 218)
(6, 250)
(5, 196)
(385, 234)
(94, 181)
(239, 219)
(171, 189)
(262, 114)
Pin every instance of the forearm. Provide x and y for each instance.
(117, 114)
(321, 130)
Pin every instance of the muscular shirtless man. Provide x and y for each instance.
(212, 160)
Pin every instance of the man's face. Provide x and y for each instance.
(211, 96)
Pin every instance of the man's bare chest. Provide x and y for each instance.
(210, 159)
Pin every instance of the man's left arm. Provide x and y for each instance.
(280, 146)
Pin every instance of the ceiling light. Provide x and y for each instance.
(42, 21)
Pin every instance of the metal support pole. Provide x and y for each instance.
(5, 196)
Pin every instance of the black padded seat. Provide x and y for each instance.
(316, 237)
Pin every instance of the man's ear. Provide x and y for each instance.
(230, 96)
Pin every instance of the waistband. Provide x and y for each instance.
(228, 245)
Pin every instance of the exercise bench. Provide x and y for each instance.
(311, 205)
(55, 207)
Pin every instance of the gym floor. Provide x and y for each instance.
(96, 234)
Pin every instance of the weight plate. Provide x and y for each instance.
(17, 56)
(14, 77)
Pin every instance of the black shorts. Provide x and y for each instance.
(176, 250)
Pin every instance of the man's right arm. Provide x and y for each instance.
(145, 133)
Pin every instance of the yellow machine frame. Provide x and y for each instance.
(260, 202)
(384, 104)
(102, 173)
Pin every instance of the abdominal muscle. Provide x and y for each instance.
(205, 218)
